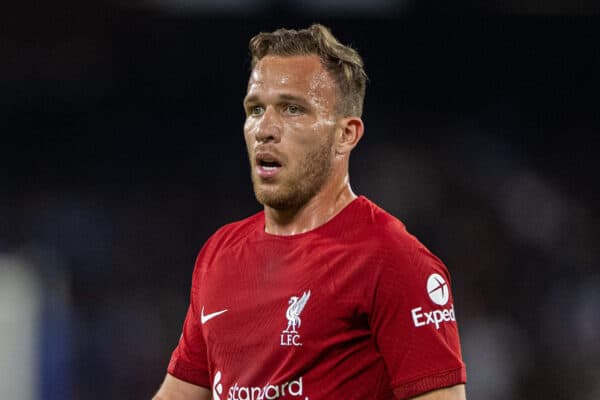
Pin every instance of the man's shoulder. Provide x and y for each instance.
(233, 233)
(378, 222)
(385, 231)
(394, 245)
(239, 229)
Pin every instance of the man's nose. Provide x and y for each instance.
(269, 127)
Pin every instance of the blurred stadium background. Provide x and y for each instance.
(122, 152)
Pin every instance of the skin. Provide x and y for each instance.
(290, 113)
(175, 389)
(291, 118)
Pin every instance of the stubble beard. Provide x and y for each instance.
(303, 184)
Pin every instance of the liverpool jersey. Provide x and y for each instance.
(355, 309)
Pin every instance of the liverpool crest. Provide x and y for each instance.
(290, 336)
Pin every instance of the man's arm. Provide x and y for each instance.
(456, 392)
(176, 389)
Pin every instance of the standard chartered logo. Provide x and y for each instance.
(288, 389)
(217, 386)
(437, 289)
(267, 392)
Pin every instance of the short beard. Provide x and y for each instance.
(305, 183)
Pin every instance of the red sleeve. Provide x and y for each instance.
(414, 323)
(189, 361)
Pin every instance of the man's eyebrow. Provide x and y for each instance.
(282, 97)
(250, 99)
(293, 98)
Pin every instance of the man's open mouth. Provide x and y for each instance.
(267, 165)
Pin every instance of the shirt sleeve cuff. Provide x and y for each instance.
(431, 382)
(185, 372)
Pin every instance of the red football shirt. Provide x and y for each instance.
(355, 309)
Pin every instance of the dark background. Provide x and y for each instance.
(122, 151)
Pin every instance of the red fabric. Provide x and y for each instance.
(369, 326)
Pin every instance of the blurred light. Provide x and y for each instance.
(404, 182)
(496, 353)
(339, 8)
(577, 306)
(19, 314)
(209, 6)
(534, 209)
(312, 7)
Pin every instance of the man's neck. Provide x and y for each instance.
(317, 211)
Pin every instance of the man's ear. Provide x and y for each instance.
(350, 131)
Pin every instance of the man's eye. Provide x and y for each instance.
(293, 109)
(256, 110)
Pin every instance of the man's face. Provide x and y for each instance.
(290, 128)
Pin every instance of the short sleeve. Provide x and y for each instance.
(413, 321)
(189, 359)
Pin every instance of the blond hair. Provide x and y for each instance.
(343, 63)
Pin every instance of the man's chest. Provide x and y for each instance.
(272, 304)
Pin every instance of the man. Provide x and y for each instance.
(323, 295)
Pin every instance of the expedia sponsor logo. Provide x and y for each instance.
(437, 289)
(288, 390)
(435, 317)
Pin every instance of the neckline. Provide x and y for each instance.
(327, 226)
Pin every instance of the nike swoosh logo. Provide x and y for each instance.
(207, 317)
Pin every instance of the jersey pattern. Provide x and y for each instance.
(355, 309)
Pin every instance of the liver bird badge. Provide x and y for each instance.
(296, 305)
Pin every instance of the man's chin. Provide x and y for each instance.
(271, 199)
(274, 196)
